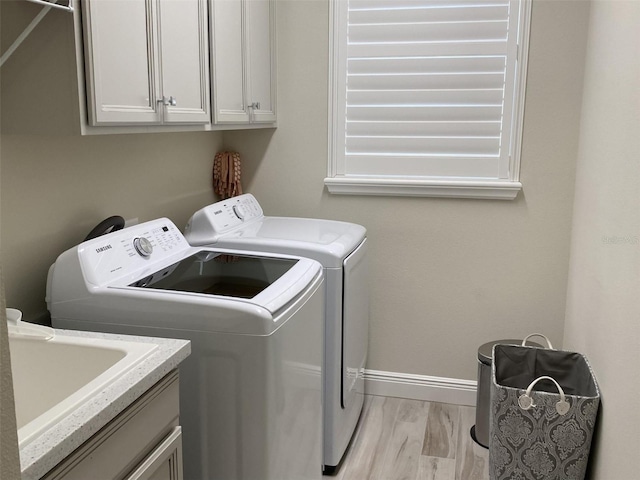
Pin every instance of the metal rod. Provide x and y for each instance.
(68, 8)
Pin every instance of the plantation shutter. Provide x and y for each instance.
(429, 88)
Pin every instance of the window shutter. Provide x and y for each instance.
(429, 88)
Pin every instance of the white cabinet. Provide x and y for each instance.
(146, 61)
(165, 462)
(243, 46)
(144, 442)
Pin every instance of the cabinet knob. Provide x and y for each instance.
(255, 105)
(173, 101)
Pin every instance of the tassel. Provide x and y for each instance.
(226, 175)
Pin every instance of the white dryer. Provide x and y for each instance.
(250, 404)
(341, 248)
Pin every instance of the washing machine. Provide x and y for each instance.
(341, 248)
(250, 392)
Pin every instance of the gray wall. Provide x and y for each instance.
(9, 459)
(603, 305)
(446, 274)
(55, 189)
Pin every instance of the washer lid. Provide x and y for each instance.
(239, 222)
(265, 281)
(327, 241)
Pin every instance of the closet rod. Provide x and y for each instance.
(34, 23)
(68, 8)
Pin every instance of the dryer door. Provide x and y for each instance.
(355, 324)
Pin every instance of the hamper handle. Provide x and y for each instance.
(526, 402)
(524, 342)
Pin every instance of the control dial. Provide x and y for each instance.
(239, 211)
(143, 246)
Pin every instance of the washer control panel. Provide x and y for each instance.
(222, 217)
(127, 251)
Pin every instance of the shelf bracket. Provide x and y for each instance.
(34, 23)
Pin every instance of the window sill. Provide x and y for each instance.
(479, 189)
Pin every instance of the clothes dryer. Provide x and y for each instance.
(250, 392)
(341, 248)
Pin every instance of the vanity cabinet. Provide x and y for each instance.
(143, 442)
(146, 62)
(243, 47)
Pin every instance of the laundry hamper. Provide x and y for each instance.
(543, 411)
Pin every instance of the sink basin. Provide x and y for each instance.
(53, 377)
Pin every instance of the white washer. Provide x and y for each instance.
(250, 403)
(340, 247)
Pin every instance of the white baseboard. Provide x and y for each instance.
(420, 387)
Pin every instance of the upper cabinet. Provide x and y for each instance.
(146, 61)
(243, 46)
(139, 66)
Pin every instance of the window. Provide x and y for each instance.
(426, 97)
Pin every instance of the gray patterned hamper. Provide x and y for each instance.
(543, 411)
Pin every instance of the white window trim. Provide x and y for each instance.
(338, 183)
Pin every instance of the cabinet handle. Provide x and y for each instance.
(168, 101)
(255, 105)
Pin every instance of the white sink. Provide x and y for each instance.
(52, 377)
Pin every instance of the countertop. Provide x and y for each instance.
(55, 444)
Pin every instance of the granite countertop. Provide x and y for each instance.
(53, 445)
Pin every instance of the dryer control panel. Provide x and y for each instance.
(222, 217)
(129, 250)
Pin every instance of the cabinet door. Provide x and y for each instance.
(261, 59)
(164, 463)
(134, 440)
(184, 60)
(120, 62)
(228, 50)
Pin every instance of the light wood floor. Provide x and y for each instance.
(400, 439)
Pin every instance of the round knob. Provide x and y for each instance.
(239, 211)
(143, 246)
